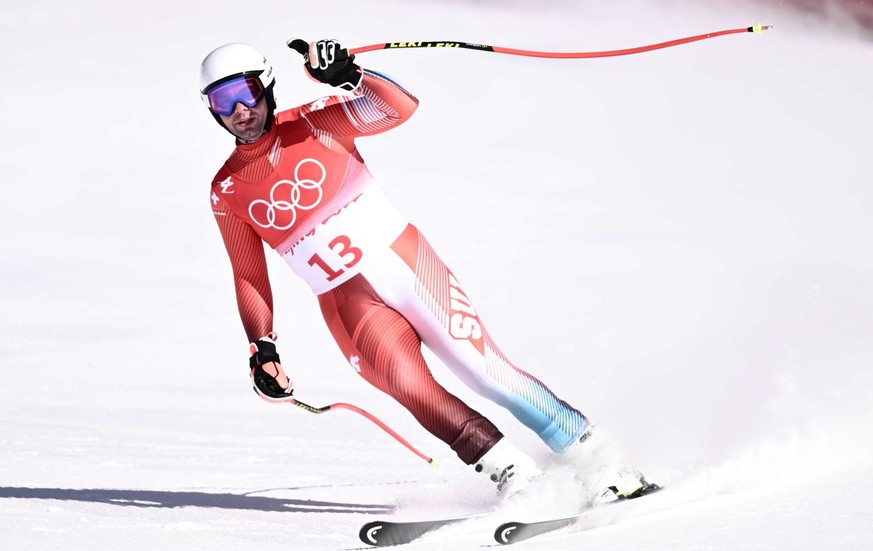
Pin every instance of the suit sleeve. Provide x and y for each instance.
(254, 296)
(377, 105)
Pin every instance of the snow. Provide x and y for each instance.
(677, 242)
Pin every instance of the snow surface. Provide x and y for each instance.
(678, 242)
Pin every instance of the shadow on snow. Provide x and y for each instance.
(168, 500)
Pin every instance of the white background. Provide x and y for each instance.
(677, 242)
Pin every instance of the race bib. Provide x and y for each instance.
(345, 242)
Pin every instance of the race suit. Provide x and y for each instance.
(303, 188)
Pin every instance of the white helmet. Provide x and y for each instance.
(233, 60)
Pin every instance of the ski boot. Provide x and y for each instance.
(607, 473)
(508, 467)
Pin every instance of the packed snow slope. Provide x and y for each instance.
(678, 242)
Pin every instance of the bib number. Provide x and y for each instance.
(348, 254)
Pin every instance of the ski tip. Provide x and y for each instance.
(505, 532)
(514, 532)
(369, 533)
(759, 28)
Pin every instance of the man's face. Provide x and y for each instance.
(247, 123)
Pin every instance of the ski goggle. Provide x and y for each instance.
(246, 89)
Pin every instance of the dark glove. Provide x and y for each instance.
(266, 383)
(328, 62)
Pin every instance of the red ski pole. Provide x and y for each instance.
(431, 461)
(758, 28)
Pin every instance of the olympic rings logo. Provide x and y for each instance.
(288, 196)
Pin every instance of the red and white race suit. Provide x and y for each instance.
(304, 189)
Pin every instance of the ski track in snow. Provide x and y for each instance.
(676, 241)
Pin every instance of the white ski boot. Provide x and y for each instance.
(508, 467)
(609, 476)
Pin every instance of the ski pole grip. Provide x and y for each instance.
(302, 47)
(299, 45)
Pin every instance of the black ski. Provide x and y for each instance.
(381, 533)
(515, 531)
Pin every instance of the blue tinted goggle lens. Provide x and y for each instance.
(247, 90)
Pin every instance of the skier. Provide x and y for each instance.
(297, 182)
